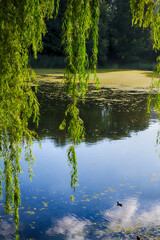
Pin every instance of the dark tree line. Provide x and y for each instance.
(119, 41)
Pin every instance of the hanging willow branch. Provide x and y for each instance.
(80, 20)
(22, 25)
(146, 13)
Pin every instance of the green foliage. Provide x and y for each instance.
(146, 14)
(22, 25)
(127, 43)
(81, 18)
(106, 17)
(72, 160)
(52, 41)
(75, 128)
(143, 12)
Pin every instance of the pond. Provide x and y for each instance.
(117, 162)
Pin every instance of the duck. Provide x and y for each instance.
(119, 204)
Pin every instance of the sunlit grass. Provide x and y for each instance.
(107, 77)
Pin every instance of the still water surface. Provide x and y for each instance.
(116, 162)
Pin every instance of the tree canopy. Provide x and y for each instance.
(22, 25)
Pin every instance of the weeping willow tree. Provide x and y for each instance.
(146, 13)
(22, 26)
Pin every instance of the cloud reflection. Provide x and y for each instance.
(131, 218)
(130, 215)
(6, 230)
(71, 227)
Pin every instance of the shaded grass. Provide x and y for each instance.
(131, 66)
(148, 74)
(58, 62)
(43, 71)
(45, 61)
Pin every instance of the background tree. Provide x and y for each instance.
(120, 42)
(128, 43)
(52, 41)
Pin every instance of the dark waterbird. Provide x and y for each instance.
(119, 204)
(138, 238)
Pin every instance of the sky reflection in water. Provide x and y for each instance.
(114, 168)
(125, 170)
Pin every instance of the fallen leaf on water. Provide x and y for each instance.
(111, 189)
(45, 204)
(30, 212)
(42, 209)
(101, 194)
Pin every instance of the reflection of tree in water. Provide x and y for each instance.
(116, 119)
(112, 114)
